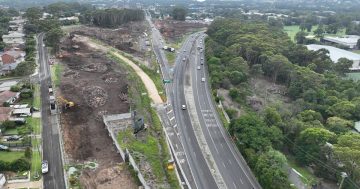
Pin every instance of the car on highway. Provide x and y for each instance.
(203, 79)
(202, 62)
(198, 67)
(184, 59)
(184, 50)
(202, 58)
(44, 167)
(13, 138)
(183, 107)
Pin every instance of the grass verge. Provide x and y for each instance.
(56, 71)
(170, 56)
(153, 146)
(35, 124)
(153, 73)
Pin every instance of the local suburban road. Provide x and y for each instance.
(54, 179)
(231, 165)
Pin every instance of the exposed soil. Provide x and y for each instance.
(128, 38)
(173, 30)
(94, 84)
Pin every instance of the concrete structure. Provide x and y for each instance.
(14, 38)
(357, 126)
(348, 40)
(336, 53)
(2, 180)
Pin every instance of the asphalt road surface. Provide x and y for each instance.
(199, 168)
(231, 165)
(54, 179)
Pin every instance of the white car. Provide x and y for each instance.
(198, 67)
(183, 107)
(44, 167)
(203, 79)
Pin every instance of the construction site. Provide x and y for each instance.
(174, 30)
(96, 86)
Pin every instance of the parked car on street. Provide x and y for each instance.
(44, 167)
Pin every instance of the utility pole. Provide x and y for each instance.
(343, 176)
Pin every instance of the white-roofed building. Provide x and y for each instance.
(14, 38)
(348, 40)
(336, 53)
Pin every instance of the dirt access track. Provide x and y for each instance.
(149, 84)
(97, 86)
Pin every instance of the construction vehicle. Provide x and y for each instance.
(67, 104)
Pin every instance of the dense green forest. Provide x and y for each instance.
(316, 130)
(111, 17)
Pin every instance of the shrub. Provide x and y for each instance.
(21, 164)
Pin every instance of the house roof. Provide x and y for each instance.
(348, 39)
(15, 54)
(6, 95)
(5, 113)
(22, 111)
(335, 53)
(13, 34)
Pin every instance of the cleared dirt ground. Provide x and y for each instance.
(174, 30)
(97, 86)
(128, 38)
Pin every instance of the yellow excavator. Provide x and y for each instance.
(67, 104)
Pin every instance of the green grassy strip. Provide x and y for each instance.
(155, 155)
(36, 101)
(10, 156)
(35, 124)
(170, 56)
(56, 71)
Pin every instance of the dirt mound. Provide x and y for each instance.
(95, 96)
(95, 68)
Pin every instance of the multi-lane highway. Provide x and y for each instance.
(54, 179)
(231, 165)
(200, 170)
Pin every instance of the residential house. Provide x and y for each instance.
(14, 38)
(5, 113)
(336, 53)
(10, 59)
(8, 97)
(22, 112)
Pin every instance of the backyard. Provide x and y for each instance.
(10, 156)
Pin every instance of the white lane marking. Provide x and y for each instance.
(230, 161)
(234, 184)
(169, 111)
(172, 118)
(223, 164)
